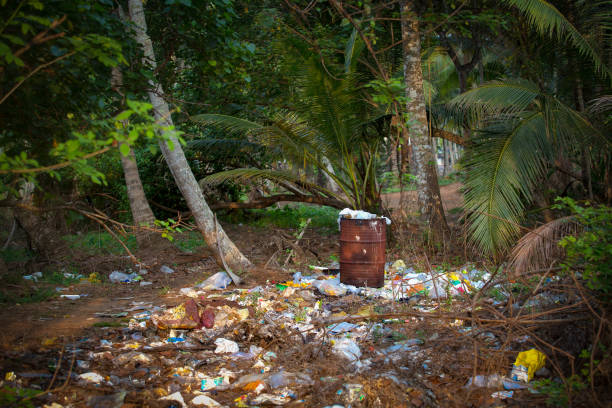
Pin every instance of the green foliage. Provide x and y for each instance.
(523, 130)
(16, 254)
(549, 21)
(12, 396)
(591, 250)
(21, 291)
(189, 241)
(293, 216)
(329, 125)
(169, 228)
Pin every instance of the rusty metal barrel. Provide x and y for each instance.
(362, 252)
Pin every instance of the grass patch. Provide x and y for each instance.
(10, 396)
(16, 255)
(397, 189)
(59, 279)
(451, 178)
(100, 243)
(189, 241)
(292, 217)
(27, 295)
(107, 324)
(15, 289)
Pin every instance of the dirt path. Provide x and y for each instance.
(27, 326)
(451, 197)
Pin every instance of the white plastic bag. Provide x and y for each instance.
(347, 348)
(331, 287)
(219, 280)
(226, 346)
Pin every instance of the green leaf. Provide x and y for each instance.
(124, 115)
(124, 148)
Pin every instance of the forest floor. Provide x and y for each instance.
(298, 346)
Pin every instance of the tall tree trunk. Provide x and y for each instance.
(446, 157)
(142, 215)
(214, 235)
(429, 203)
(141, 211)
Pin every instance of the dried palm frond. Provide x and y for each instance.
(539, 248)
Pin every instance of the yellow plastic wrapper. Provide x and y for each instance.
(526, 364)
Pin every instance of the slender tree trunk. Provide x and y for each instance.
(142, 215)
(141, 211)
(446, 157)
(213, 234)
(429, 203)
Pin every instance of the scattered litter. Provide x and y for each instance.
(206, 401)
(175, 397)
(33, 277)
(526, 365)
(166, 269)
(71, 297)
(120, 277)
(347, 348)
(92, 377)
(270, 399)
(502, 394)
(219, 280)
(183, 316)
(331, 287)
(226, 346)
(485, 381)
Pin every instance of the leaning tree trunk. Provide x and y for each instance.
(142, 215)
(213, 234)
(429, 203)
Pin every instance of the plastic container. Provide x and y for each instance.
(362, 252)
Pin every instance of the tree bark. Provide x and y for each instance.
(429, 203)
(142, 215)
(141, 211)
(446, 157)
(215, 237)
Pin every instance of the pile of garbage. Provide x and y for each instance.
(310, 339)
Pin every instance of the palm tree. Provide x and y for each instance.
(331, 131)
(142, 215)
(429, 201)
(524, 130)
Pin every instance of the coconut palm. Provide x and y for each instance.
(329, 130)
(524, 130)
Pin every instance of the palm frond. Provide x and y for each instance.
(549, 21)
(495, 98)
(230, 124)
(354, 47)
(223, 145)
(539, 248)
(502, 168)
(253, 174)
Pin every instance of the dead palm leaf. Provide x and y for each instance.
(540, 247)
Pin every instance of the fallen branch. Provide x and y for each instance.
(297, 241)
(268, 201)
